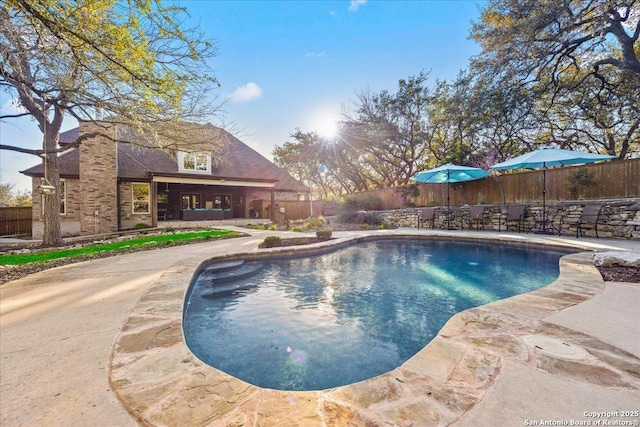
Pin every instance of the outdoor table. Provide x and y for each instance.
(449, 216)
(545, 221)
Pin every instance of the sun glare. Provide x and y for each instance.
(327, 127)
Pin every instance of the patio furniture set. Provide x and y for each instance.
(545, 220)
(519, 217)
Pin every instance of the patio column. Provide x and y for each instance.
(272, 212)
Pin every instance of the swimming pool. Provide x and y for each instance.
(333, 319)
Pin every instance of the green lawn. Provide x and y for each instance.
(123, 246)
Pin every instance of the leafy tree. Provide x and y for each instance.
(390, 131)
(550, 40)
(10, 197)
(127, 62)
(579, 62)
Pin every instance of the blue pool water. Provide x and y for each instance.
(333, 319)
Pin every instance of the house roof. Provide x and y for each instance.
(236, 161)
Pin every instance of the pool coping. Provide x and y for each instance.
(160, 382)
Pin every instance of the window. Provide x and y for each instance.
(222, 202)
(63, 197)
(140, 198)
(190, 201)
(194, 162)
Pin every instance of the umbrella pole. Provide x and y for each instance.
(544, 199)
(448, 213)
(544, 229)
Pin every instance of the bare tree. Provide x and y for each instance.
(128, 62)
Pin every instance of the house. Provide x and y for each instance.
(108, 186)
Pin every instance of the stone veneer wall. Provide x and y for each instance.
(620, 218)
(98, 180)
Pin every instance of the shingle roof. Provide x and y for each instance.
(237, 161)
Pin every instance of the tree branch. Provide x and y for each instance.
(38, 153)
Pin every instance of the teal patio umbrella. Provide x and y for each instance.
(548, 157)
(450, 173)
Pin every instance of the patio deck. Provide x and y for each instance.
(59, 364)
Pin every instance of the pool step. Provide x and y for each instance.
(225, 289)
(214, 277)
(222, 266)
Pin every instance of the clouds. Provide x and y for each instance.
(246, 93)
(355, 5)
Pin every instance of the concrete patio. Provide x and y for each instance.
(100, 343)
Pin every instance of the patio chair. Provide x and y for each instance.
(514, 213)
(476, 213)
(590, 215)
(425, 216)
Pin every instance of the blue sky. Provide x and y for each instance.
(292, 64)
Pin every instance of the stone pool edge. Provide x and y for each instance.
(160, 382)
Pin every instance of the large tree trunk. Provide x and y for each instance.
(51, 204)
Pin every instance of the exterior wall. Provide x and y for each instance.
(254, 195)
(287, 195)
(98, 180)
(70, 221)
(128, 219)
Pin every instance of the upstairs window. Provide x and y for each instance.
(194, 162)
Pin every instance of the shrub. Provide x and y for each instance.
(579, 180)
(296, 228)
(324, 234)
(315, 222)
(273, 227)
(362, 202)
(370, 218)
(141, 226)
(271, 242)
(384, 225)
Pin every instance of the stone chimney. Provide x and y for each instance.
(98, 180)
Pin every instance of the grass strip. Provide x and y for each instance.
(158, 240)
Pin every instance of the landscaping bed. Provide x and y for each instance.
(124, 244)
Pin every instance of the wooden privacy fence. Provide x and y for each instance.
(293, 209)
(15, 221)
(614, 179)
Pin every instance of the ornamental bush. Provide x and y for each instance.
(324, 234)
(271, 242)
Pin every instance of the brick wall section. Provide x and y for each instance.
(98, 180)
(69, 222)
(620, 218)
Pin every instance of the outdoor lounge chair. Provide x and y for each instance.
(514, 213)
(590, 215)
(425, 216)
(476, 213)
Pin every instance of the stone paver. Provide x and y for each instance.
(58, 329)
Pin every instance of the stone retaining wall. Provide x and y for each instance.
(620, 218)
